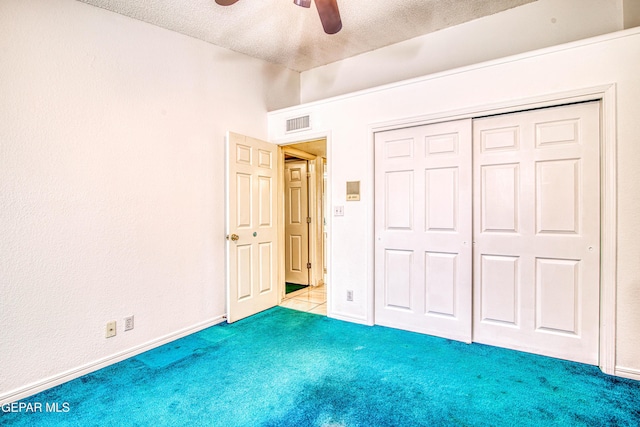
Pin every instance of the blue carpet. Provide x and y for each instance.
(289, 368)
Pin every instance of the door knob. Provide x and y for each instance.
(233, 237)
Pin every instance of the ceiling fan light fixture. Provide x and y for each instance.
(226, 2)
(303, 3)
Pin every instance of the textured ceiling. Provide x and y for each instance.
(280, 32)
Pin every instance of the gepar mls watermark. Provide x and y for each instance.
(32, 407)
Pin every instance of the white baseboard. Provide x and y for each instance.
(347, 318)
(71, 374)
(630, 373)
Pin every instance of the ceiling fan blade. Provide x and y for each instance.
(226, 2)
(329, 15)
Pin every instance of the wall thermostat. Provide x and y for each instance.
(353, 190)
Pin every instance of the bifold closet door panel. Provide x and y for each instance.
(537, 231)
(423, 229)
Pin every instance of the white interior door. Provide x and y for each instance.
(296, 225)
(325, 215)
(423, 229)
(536, 231)
(251, 226)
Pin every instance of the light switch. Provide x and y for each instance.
(338, 211)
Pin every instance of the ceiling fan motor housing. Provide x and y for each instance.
(303, 3)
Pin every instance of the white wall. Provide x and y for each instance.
(349, 121)
(532, 26)
(631, 10)
(112, 181)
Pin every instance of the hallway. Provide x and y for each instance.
(312, 299)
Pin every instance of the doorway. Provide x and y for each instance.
(304, 231)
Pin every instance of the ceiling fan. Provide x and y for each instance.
(327, 9)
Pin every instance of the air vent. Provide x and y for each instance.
(298, 124)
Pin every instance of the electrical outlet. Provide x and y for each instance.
(111, 329)
(128, 323)
(349, 295)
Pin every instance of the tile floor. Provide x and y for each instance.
(312, 299)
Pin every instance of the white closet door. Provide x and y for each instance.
(536, 231)
(423, 229)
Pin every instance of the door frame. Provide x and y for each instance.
(282, 143)
(606, 95)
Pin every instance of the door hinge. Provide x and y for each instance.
(308, 265)
(308, 220)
